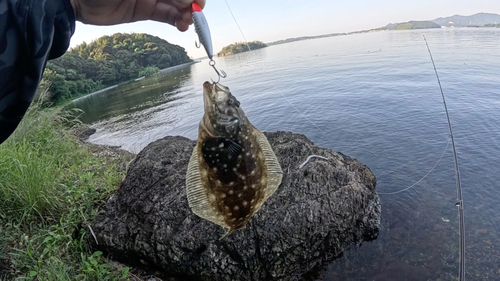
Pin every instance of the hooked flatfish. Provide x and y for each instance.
(233, 169)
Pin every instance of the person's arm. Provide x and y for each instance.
(30, 33)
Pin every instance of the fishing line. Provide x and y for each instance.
(460, 203)
(244, 38)
(407, 188)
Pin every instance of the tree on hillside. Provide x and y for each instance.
(107, 61)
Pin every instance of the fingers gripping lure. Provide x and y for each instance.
(203, 31)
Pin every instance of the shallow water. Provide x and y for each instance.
(371, 96)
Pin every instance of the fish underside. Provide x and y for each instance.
(233, 169)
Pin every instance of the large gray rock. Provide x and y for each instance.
(316, 214)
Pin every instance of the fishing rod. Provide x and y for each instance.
(460, 203)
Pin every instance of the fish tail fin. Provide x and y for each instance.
(227, 233)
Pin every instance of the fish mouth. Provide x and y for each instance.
(207, 87)
(209, 93)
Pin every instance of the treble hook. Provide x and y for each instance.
(221, 74)
(197, 44)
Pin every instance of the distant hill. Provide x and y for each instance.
(240, 48)
(479, 19)
(411, 25)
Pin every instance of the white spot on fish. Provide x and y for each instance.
(212, 197)
(214, 168)
(221, 145)
(245, 203)
(230, 192)
(236, 208)
(231, 183)
(223, 195)
(224, 165)
(240, 194)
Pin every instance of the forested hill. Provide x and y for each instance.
(107, 61)
(240, 47)
(411, 25)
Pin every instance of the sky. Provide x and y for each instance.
(271, 20)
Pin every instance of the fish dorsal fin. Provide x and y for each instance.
(274, 172)
(198, 199)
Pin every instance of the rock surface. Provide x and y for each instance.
(318, 212)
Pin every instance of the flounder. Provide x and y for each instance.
(233, 169)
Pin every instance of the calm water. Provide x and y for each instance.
(373, 97)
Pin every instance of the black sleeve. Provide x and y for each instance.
(31, 31)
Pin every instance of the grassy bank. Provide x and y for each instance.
(51, 186)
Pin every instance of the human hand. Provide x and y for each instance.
(108, 12)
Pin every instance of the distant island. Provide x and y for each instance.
(476, 20)
(411, 25)
(241, 47)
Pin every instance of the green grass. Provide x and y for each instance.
(50, 188)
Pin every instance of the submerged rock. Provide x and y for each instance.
(317, 212)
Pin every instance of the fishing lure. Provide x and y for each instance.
(203, 31)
